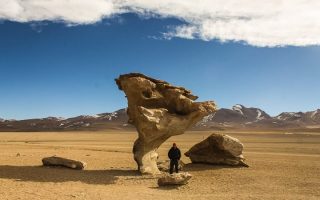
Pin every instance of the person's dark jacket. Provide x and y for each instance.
(174, 154)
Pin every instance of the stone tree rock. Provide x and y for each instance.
(158, 110)
(218, 149)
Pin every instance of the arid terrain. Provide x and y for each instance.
(282, 166)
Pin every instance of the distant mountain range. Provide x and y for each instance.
(239, 117)
(114, 120)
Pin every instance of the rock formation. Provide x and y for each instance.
(158, 110)
(218, 149)
(174, 179)
(63, 162)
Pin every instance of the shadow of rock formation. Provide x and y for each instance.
(57, 175)
(191, 167)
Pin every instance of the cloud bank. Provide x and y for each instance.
(255, 22)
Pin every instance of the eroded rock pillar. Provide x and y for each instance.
(158, 110)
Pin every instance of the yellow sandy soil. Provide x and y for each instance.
(282, 166)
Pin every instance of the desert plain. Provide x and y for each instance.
(283, 165)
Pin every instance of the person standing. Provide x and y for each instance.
(174, 155)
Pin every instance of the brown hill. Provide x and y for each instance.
(239, 117)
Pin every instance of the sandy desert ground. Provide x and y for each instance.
(282, 166)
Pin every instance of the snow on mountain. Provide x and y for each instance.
(238, 115)
(289, 116)
(119, 115)
(208, 118)
(89, 116)
(110, 116)
(315, 115)
(54, 118)
(259, 115)
(205, 120)
(238, 108)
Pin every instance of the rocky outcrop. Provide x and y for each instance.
(218, 149)
(63, 162)
(158, 110)
(174, 179)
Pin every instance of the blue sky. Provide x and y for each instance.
(53, 69)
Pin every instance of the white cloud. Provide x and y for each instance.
(70, 11)
(256, 22)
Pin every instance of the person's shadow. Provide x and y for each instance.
(54, 174)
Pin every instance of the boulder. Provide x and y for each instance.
(63, 162)
(218, 149)
(164, 166)
(174, 179)
(158, 110)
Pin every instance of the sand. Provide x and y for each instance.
(282, 166)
